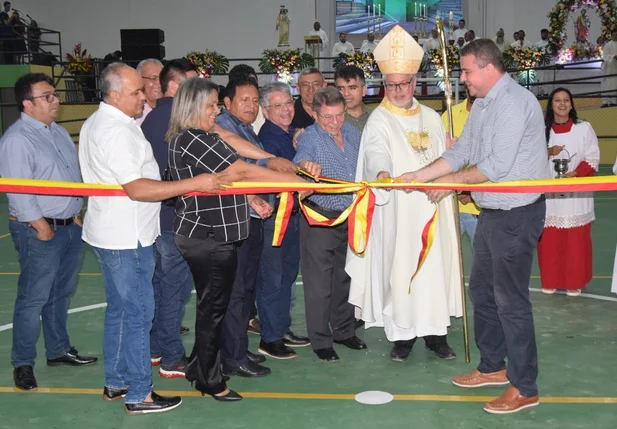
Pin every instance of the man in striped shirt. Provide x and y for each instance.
(503, 140)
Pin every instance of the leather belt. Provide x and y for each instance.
(329, 213)
(61, 222)
(52, 222)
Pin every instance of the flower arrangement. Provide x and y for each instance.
(524, 58)
(453, 57)
(364, 61)
(579, 52)
(79, 62)
(208, 62)
(284, 63)
(558, 17)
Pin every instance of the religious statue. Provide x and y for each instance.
(282, 25)
(582, 27)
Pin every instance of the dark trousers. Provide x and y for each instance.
(278, 270)
(213, 266)
(235, 341)
(329, 315)
(172, 285)
(499, 288)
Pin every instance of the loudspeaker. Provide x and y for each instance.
(139, 45)
(150, 36)
(131, 54)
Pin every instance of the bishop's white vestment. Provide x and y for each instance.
(380, 278)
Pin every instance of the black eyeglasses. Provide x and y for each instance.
(403, 86)
(48, 97)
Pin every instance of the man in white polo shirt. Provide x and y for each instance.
(122, 231)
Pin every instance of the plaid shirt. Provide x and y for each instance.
(193, 152)
(316, 145)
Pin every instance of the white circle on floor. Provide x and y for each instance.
(374, 397)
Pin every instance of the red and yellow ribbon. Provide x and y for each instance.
(428, 236)
(359, 213)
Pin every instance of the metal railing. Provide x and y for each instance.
(38, 46)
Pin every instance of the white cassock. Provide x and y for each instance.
(368, 46)
(525, 44)
(459, 32)
(342, 48)
(503, 45)
(380, 278)
(610, 67)
(324, 39)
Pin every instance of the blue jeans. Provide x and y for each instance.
(48, 279)
(172, 285)
(127, 275)
(468, 225)
(499, 289)
(278, 269)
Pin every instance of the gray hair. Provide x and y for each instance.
(188, 105)
(266, 91)
(328, 96)
(486, 52)
(111, 80)
(309, 70)
(142, 63)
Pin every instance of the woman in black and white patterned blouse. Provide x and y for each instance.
(209, 228)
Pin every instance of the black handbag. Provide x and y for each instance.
(169, 202)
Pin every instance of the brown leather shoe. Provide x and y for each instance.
(480, 379)
(511, 402)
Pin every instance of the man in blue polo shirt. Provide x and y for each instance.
(278, 266)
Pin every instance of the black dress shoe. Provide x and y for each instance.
(159, 404)
(232, 396)
(276, 349)
(24, 378)
(113, 394)
(353, 343)
(72, 358)
(255, 358)
(359, 323)
(292, 340)
(327, 354)
(401, 349)
(439, 345)
(250, 370)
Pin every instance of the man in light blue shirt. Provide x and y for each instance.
(334, 144)
(46, 230)
(503, 140)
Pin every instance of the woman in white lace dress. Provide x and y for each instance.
(565, 249)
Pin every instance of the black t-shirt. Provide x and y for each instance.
(301, 118)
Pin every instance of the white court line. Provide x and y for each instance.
(104, 304)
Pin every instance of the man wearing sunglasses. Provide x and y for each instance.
(46, 230)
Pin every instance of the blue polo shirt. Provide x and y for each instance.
(277, 141)
(155, 127)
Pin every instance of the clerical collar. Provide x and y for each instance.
(562, 128)
(413, 110)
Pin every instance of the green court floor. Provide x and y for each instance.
(576, 338)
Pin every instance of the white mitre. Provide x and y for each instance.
(398, 52)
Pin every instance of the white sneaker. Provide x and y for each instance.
(575, 292)
(549, 291)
